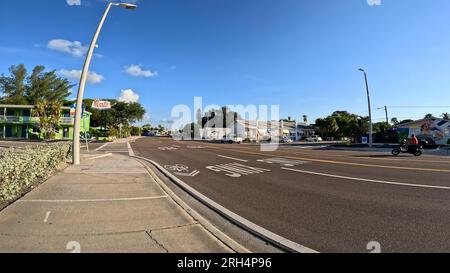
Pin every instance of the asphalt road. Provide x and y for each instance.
(330, 201)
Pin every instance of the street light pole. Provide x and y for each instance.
(370, 110)
(81, 86)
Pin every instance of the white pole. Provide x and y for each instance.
(370, 109)
(370, 112)
(84, 74)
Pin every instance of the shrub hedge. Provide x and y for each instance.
(20, 168)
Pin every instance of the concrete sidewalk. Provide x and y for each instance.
(109, 203)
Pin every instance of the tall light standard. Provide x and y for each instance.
(370, 110)
(84, 74)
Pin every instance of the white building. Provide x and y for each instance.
(256, 130)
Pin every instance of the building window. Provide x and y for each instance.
(447, 131)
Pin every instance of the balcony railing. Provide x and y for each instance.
(11, 118)
(25, 119)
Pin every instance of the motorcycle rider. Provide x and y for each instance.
(413, 143)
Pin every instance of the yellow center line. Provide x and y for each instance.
(365, 157)
(392, 159)
(339, 162)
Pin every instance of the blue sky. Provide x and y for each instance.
(300, 54)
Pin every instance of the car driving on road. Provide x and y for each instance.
(314, 139)
(232, 139)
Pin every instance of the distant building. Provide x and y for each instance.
(256, 130)
(17, 122)
(297, 131)
(435, 129)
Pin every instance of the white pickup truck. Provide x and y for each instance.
(232, 139)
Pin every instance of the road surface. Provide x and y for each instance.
(329, 201)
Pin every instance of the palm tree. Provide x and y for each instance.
(49, 114)
(445, 116)
(394, 121)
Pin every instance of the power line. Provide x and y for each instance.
(417, 107)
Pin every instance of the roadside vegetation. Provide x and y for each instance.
(49, 92)
(22, 169)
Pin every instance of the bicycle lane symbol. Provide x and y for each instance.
(181, 170)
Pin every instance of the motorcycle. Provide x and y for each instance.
(416, 151)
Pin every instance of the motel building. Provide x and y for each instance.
(17, 122)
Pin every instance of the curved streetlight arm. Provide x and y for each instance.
(370, 109)
(83, 79)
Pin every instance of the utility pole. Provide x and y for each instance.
(386, 111)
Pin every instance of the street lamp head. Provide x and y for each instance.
(362, 70)
(128, 6)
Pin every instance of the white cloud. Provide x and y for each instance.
(73, 2)
(374, 2)
(128, 95)
(137, 71)
(74, 48)
(93, 77)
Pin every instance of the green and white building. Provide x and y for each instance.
(17, 122)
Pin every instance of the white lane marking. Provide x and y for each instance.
(242, 222)
(74, 247)
(177, 168)
(232, 158)
(130, 150)
(101, 147)
(369, 180)
(100, 156)
(192, 174)
(167, 148)
(92, 200)
(283, 161)
(46, 216)
(236, 170)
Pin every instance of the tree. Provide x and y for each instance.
(13, 86)
(49, 114)
(405, 121)
(46, 86)
(428, 116)
(394, 121)
(135, 131)
(328, 127)
(288, 119)
(19, 88)
(220, 118)
(342, 124)
(120, 113)
(191, 131)
(445, 116)
(161, 128)
(381, 127)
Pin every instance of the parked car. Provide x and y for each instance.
(314, 139)
(286, 139)
(232, 139)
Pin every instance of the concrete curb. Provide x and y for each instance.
(222, 237)
(251, 227)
